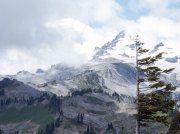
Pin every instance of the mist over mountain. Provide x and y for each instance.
(107, 81)
(111, 68)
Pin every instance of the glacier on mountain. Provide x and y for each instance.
(111, 69)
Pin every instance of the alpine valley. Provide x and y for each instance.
(102, 92)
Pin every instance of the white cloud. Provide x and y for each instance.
(153, 29)
(40, 33)
(37, 34)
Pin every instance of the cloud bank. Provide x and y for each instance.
(38, 33)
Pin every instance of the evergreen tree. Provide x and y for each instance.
(57, 122)
(175, 124)
(91, 129)
(2, 92)
(122, 128)
(88, 130)
(61, 116)
(40, 131)
(82, 118)
(153, 100)
(52, 128)
(61, 113)
(49, 128)
(55, 104)
(69, 94)
(110, 126)
(16, 132)
(78, 118)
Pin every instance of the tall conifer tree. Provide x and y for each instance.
(153, 95)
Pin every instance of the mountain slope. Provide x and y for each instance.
(111, 69)
(104, 89)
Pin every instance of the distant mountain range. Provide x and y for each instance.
(111, 69)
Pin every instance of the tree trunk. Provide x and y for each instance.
(137, 80)
(137, 127)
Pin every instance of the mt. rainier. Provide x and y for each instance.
(111, 75)
(112, 69)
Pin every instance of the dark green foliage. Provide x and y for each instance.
(122, 128)
(42, 97)
(61, 113)
(16, 132)
(40, 131)
(55, 104)
(5, 102)
(1, 92)
(57, 122)
(91, 129)
(115, 94)
(175, 124)
(113, 131)
(85, 91)
(49, 129)
(80, 118)
(110, 126)
(69, 93)
(88, 130)
(6, 82)
(81, 92)
(31, 101)
(121, 97)
(8, 101)
(153, 100)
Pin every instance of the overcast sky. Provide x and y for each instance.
(38, 33)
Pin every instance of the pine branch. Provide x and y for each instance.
(168, 70)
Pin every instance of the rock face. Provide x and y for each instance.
(108, 46)
(39, 70)
(101, 109)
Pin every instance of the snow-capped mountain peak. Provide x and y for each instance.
(119, 36)
(111, 69)
(108, 46)
(39, 71)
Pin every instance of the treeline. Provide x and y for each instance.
(6, 82)
(2, 93)
(90, 129)
(29, 101)
(123, 97)
(55, 104)
(49, 129)
(85, 91)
